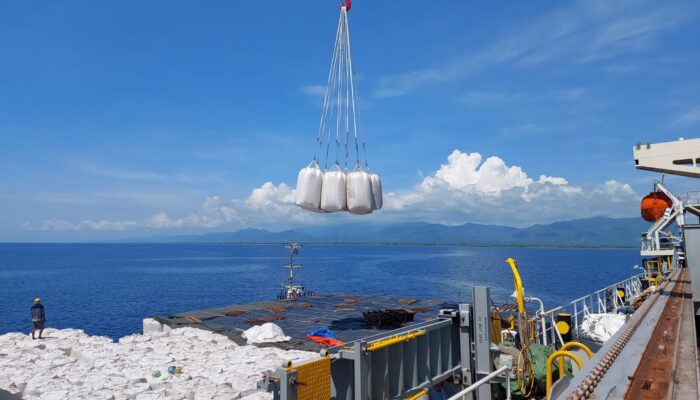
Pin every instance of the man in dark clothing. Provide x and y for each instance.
(38, 318)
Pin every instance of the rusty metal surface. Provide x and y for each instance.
(654, 375)
(628, 344)
(686, 382)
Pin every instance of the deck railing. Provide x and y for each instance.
(692, 198)
(603, 301)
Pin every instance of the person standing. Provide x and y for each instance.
(38, 317)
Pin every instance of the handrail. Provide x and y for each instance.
(478, 383)
(418, 395)
(380, 344)
(550, 360)
(589, 302)
(596, 292)
(565, 347)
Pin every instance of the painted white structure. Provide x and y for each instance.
(681, 157)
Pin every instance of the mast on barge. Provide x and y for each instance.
(291, 290)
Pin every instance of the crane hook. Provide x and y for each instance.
(346, 4)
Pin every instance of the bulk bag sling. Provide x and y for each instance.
(332, 190)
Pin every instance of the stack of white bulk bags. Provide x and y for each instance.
(308, 193)
(359, 190)
(333, 190)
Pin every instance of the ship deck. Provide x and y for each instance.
(653, 356)
(340, 313)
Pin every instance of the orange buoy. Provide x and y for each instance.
(654, 205)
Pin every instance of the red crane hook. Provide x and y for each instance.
(346, 4)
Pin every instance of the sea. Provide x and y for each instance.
(107, 289)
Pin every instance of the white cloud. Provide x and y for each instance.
(62, 225)
(314, 90)
(687, 118)
(52, 225)
(616, 192)
(270, 196)
(584, 32)
(498, 98)
(213, 214)
(118, 173)
(105, 225)
(465, 172)
(554, 180)
(466, 188)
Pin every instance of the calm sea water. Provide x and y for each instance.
(107, 289)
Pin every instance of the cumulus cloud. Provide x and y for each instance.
(616, 192)
(466, 188)
(269, 196)
(465, 172)
(554, 180)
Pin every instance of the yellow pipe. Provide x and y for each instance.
(393, 340)
(551, 359)
(568, 345)
(518, 285)
(418, 395)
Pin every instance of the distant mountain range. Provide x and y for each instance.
(591, 232)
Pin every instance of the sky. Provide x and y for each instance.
(130, 118)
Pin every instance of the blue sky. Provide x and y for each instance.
(122, 119)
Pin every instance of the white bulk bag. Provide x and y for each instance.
(376, 191)
(601, 327)
(359, 192)
(333, 190)
(308, 192)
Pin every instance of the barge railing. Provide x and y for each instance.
(601, 301)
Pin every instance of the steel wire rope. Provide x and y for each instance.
(326, 97)
(347, 86)
(340, 90)
(352, 90)
(359, 123)
(332, 104)
(332, 109)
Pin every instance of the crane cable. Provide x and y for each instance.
(327, 98)
(339, 99)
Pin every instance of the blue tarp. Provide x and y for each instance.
(322, 332)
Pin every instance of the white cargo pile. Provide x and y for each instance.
(68, 364)
(601, 327)
(265, 333)
(337, 188)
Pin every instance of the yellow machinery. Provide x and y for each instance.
(523, 326)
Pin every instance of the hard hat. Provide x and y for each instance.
(37, 300)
